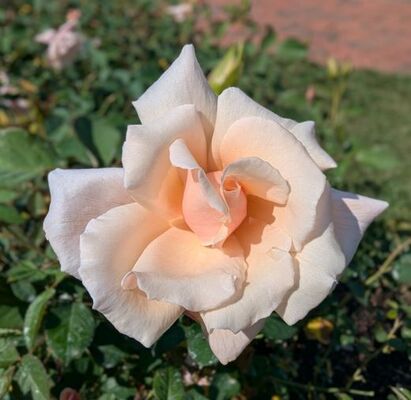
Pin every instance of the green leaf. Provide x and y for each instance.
(72, 148)
(72, 333)
(10, 317)
(268, 39)
(276, 329)
(27, 271)
(106, 138)
(224, 386)
(193, 394)
(401, 393)
(24, 291)
(406, 331)
(7, 196)
(292, 50)
(112, 390)
(10, 215)
(168, 385)
(112, 355)
(37, 205)
(22, 157)
(198, 347)
(380, 334)
(32, 377)
(6, 376)
(378, 157)
(402, 269)
(343, 396)
(84, 132)
(8, 353)
(34, 317)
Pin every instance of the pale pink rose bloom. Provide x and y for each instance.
(180, 12)
(221, 211)
(64, 44)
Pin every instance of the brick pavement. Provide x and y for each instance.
(373, 34)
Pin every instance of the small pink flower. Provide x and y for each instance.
(180, 12)
(310, 93)
(64, 44)
(221, 211)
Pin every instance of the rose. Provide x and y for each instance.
(64, 43)
(221, 211)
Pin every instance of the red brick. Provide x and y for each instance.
(373, 34)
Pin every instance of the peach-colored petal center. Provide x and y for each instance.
(209, 224)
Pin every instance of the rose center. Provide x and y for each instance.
(210, 224)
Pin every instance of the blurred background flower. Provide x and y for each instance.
(180, 11)
(64, 43)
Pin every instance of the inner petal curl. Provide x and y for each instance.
(209, 224)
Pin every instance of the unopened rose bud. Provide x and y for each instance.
(227, 72)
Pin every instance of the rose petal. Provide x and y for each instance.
(352, 214)
(227, 346)
(149, 175)
(233, 105)
(181, 157)
(319, 264)
(260, 209)
(109, 247)
(305, 133)
(208, 213)
(257, 137)
(270, 275)
(77, 196)
(177, 268)
(182, 83)
(259, 178)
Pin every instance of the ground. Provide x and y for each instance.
(371, 34)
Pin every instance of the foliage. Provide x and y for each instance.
(356, 344)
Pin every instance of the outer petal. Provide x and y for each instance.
(110, 246)
(233, 104)
(183, 83)
(227, 346)
(77, 196)
(271, 142)
(177, 268)
(270, 275)
(305, 133)
(319, 263)
(149, 175)
(352, 214)
(258, 178)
